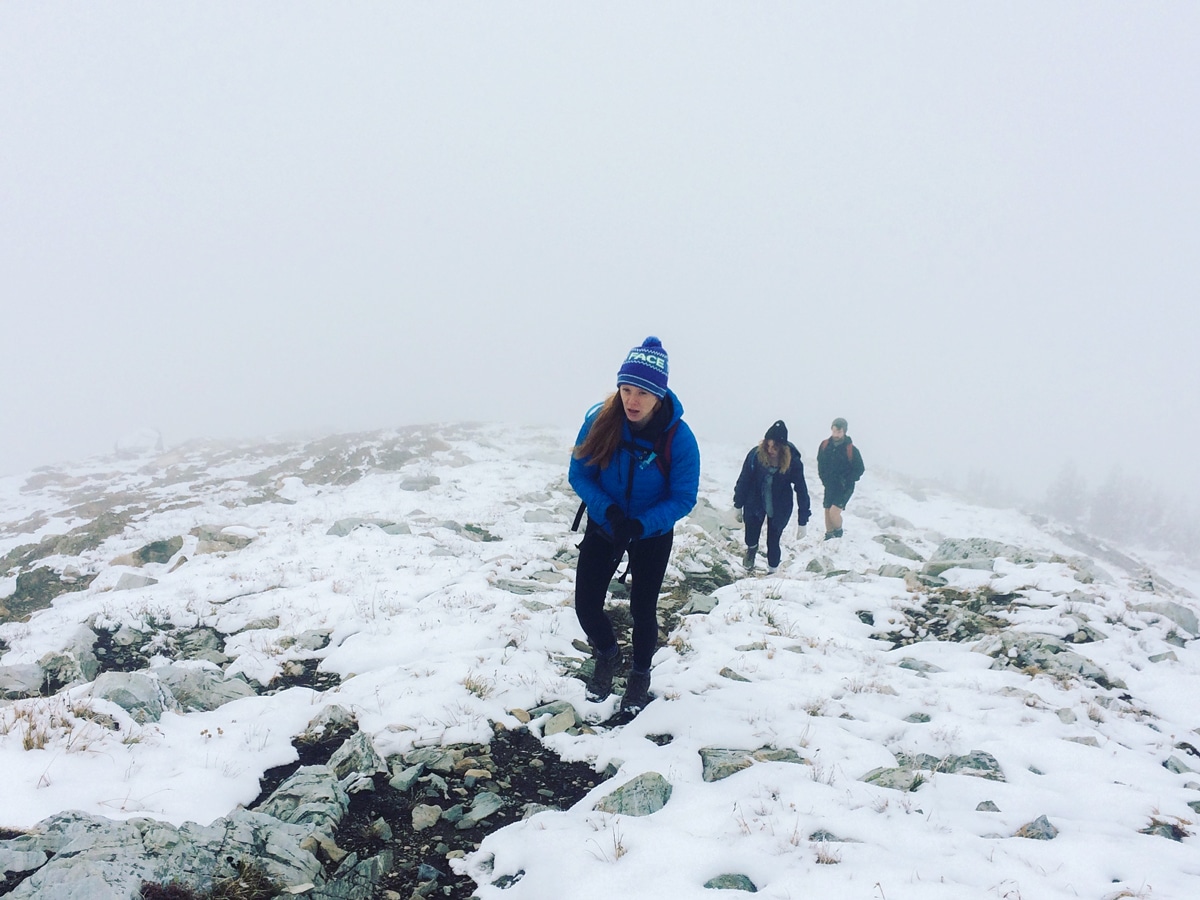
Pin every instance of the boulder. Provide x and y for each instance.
(201, 689)
(139, 694)
(642, 796)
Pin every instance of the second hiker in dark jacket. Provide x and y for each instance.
(770, 475)
(839, 465)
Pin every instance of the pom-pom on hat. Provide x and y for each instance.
(777, 432)
(646, 367)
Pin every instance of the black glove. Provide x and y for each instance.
(628, 531)
(616, 517)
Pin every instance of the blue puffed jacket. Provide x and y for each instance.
(634, 481)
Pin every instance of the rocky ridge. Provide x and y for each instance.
(352, 815)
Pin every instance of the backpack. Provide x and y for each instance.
(660, 455)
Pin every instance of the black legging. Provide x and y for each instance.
(775, 526)
(647, 567)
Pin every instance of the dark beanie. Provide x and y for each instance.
(777, 432)
(646, 367)
(839, 422)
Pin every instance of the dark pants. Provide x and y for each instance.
(775, 528)
(647, 567)
(838, 495)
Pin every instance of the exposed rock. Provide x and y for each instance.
(642, 796)
(1039, 829)
(343, 527)
(719, 763)
(130, 581)
(140, 695)
(897, 547)
(1174, 612)
(485, 804)
(330, 723)
(425, 815)
(91, 857)
(312, 796)
(21, 680)
(918, 665)
(897, 778)
(1042, 653)
(202, 689)
(357, 755)
(731, 882)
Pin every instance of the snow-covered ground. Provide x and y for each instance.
(434, 645)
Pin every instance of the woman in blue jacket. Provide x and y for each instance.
(771, 472)
(636, 467)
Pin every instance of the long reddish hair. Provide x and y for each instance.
(604, 437)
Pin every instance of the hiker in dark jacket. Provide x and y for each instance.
(839, 465)
(770, 474)
(636, 466)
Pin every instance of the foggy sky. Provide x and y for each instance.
(970, 229)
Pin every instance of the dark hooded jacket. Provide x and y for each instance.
(748, 492)
(839, 465)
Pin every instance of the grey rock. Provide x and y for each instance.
(719, 763)
(918, 665)
(893, 570)
(698, 604)
(644, 795)
(357, 755)
(936, 567)
(896, 778)
(560, 722)
(355, 879)
(987, 806)
(1087, 740)
(15, 860)
(1174, 612)
(404, 780)
(425, 815)
(731, 882)
(961, 549)
(331, 722)
(420, 483)
(343, 527)
(1177, 766)
(917, 718)
(1050, 655)
(130, 581)
(201, 689)
(1066, 716)
(897, 547)
(552, 709)
(22, 680)
(732, 675)
(221, 534)
(196, 642)
(1169, 656)
(485, 804)
(312, 796)
(1039, 829)
(436, 759)
(140, 695)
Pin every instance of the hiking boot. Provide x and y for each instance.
(599, 686)
(830, 535)
(637, 692)
(771, 570)
(748, 559)
(837, 533)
